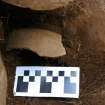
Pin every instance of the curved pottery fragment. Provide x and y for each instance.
(39, 4)
(43, 42)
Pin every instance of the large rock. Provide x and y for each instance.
(39, 4)
(3, 83)
(43, 42)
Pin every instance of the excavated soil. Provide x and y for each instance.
(79, 53)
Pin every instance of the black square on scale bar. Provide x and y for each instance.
(37, 73)
(31, 78)
(61, 73)
(55, 79)
(26, 73)
(49, 73)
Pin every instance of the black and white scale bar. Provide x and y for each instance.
(38, 81)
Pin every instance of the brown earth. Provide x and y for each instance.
(82, 28)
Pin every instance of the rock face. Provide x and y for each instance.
(3, 83)
(43, 42)
(39, 4)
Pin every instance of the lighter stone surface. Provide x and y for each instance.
(39, 4)
(43, 42)
(3, 83)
